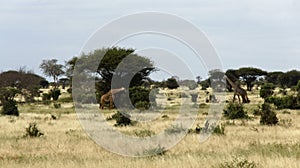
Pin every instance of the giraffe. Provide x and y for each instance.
(108, 97)
(238, 91)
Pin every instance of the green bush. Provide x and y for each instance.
(194, 97)
(140, 97)
(266, 90)
(144, 133)
(154, 151)
(290, 102)
(57, 105)
(33, 131)
(235, 111)
(172, 83)
(55, 93)
(219, 129)
(142, 105)
(121, 119)
(268, 116)
(10, 108)
(239, 163)
(46, 97)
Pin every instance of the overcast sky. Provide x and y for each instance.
(256, 33)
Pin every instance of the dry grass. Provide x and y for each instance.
(65, 144)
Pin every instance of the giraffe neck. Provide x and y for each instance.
(114, 91)
(231, 83)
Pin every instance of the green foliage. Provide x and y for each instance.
(216, 80)
(191, 84)
(33, 131)
(204, 84)
(154, 151)
(249, 75)
(46, 97)
(172, 83)
(27, 83)
(55, 93)
(290, 102)
(298, 86)
(219, 129)
(144, 133)
(140, 97)
(274, 77)
(194, 97)
(256, 112)
(268, 116)
(142, 105)
(239, 163)
(120, 63)
(57, 105)
(52, 69)
(44, 83)
(121, 119)
(235, 111)
(8, 93)
(10, 108)
(266, 90)
(289, 78)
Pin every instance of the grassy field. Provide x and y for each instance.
(65, 144)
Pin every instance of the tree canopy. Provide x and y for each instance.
(52, 69)
(118, 64)
(249, 75)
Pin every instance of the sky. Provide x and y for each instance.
(257, 33)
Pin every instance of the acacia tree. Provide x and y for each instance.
(216, 79)
(289, 78)
(249, 75)
(274, 77)
(7, 95)
(70, 65)
(27, 82)
(120, 63)
(52, 69)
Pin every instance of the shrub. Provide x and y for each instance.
(268, 116)
(140, 97)
(290, 102)
(121, 119)
(204, 85)
(57, 105)
(165, 116)
(219, 129)
(235, 111)
(55, 93)
(142, 105)
(10, 108)
(46, 96)
(144, 133)
(266, 90)
(69, 90)
(172, 83)
(154, 151)
(194, 97)
(33, 131)
(239, 163)
(256, 112)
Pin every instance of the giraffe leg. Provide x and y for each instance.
(239, 98)
(110, 104)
